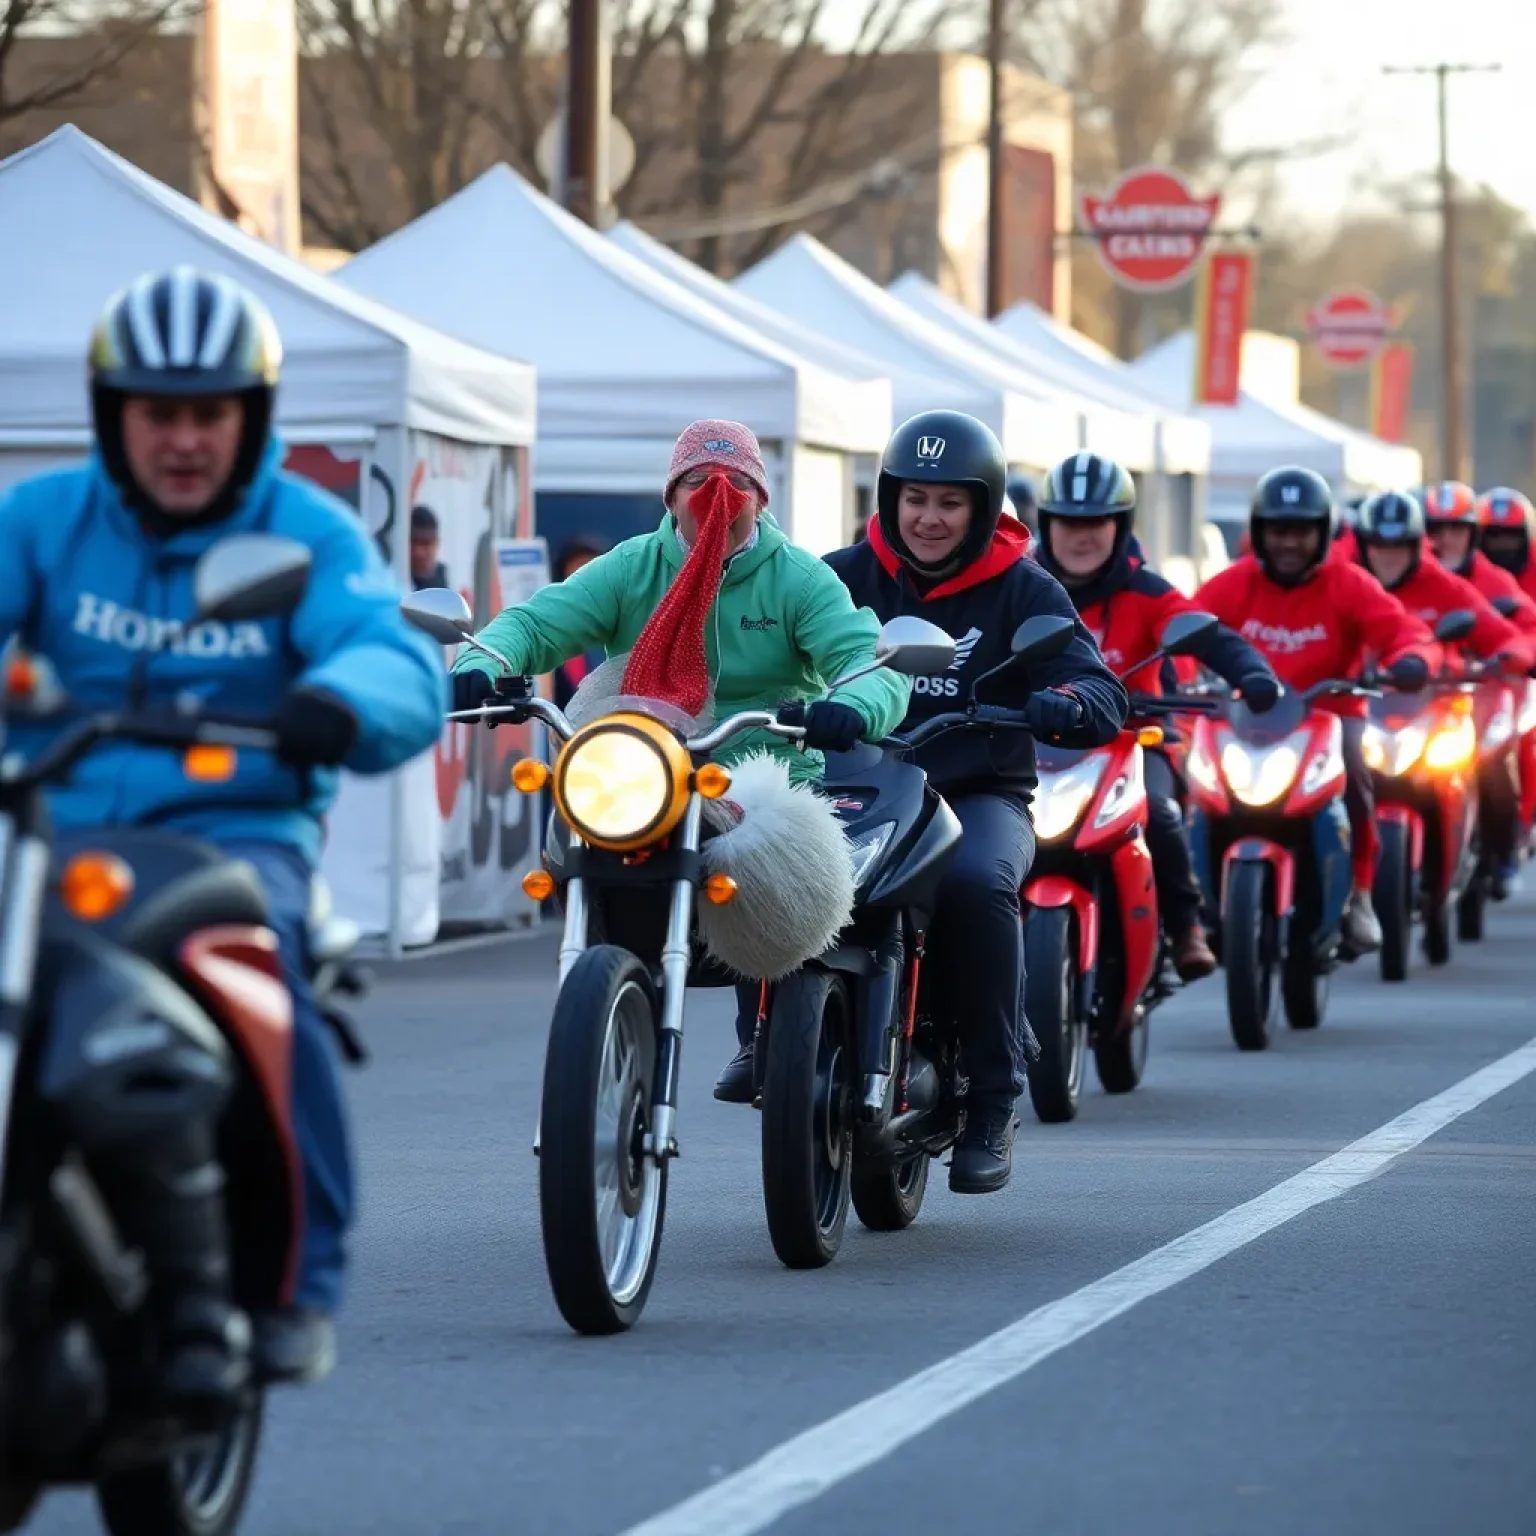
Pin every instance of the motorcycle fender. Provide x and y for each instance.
(1262, 850)
(125, 1052)
(1413, 826)
(236, 970)
(1058, 891)
(1136, 896)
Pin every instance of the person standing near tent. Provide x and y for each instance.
(97, 579)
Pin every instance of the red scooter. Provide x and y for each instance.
(1092, 947)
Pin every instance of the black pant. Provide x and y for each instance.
(1359, 805)
(1501, 811)
(1178, 893)
(976, 946)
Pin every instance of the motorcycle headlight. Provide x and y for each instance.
(1452, 746)
(1392, 753)
(1122, 793)
(1202, 770)
(864, 850)
(1499, 729)
(1062, 797)
(1260, 775)
(622, 782)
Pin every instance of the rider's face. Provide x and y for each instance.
(1081, 545)
(182, 451)
(1388, 562)
(746, 519)
(1291, 547)
(933, 519)
(1451, 541)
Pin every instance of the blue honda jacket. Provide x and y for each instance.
(86, 588)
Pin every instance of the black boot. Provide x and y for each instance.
(734, 1085)
(295, 1347)
(983, 1157)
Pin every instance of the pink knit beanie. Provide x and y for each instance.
(725, 444)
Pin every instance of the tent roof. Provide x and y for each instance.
(621, 350)
(934, 368)
(1255, 436)
(81, 223)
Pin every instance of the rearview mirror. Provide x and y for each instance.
(1039, 639)
(1184, 632)
(1456, 625)
(914, 647)
(251, 576)
(1508, 606)
(441, 613)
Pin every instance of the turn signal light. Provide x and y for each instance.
(95, 885)
(1149, 736)
(538, 884)
(529, 775)
(720, 889)
(21, 677)
(209, 765)
(712, 781)
(1461, 703)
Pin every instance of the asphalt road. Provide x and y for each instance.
(1367, 1366)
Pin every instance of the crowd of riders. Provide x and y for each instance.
(184, 374)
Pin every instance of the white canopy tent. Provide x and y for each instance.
(932, 367)
(82, 223)
(1255, 436)
(626, 357)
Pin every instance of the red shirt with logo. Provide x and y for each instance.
(1324, 627)
(1432, 591)
(1493, 581)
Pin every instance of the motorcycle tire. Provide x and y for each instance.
(602, 1230)
(1121, 1060)
(808, 1108)
(887, 1198)
(192, 1495)
(1051, 1006)
(1437, 932)
(1248, 956)
(1304, 990)
(1469, 912)
(17, 1501)
(1393, 899)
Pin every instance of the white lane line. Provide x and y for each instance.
(804, 1468)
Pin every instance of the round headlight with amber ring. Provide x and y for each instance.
(622, 782)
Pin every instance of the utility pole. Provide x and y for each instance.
(588, 100)
(997, 299)
(1453, 448)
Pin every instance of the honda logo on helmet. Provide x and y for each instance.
(930, 447)
(1290, 493)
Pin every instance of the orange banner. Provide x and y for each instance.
(1221, 318)
(1392, 392)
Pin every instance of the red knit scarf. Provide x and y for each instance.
(668, 661)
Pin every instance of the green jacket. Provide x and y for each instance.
(783, 627)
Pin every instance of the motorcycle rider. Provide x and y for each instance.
(1087, 521)
(1315, 618)
(1505, 522)
(97, 579)
(1450, 514)
(940, 547)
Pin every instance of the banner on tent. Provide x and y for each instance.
(1221, 318)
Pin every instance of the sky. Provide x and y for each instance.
(1326, 81)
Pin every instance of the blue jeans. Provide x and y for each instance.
(319, 1112)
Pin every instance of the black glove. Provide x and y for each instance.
(1409, 673)
(315, 729)
(829, 727)
(1260, 691)
(473, 688)
(1053, 712)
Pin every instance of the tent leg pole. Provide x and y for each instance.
(396, 873)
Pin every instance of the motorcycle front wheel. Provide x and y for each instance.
(808, 1106)
(1248, 954)
(1050, 1005)
(1393, 900)
(602, 1199)
(201, 1493)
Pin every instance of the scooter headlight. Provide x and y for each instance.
(1452, 746)
(623, 782)
(864, 850)
(1202, 770)
(1259, 775)
(1499, 729)
(1123, 793)
(1062, 797)
(1392, 753)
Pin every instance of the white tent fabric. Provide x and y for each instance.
(932, 367)
(81, 223)
(1119, 425)
(1184, 441)
(1255, 436)
(622, 352)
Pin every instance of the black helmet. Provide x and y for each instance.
(1291, 495)
(944, 448)
(1026, 504)
(1087, 485)
(184, 333)
(1392, 517)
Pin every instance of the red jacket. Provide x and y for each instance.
(1494, 581)
(1345, 547)
(1431, 592)
(1322, 628)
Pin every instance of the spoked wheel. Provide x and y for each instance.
(1469, 911)
(888, 1198)
(200, 1493)
(1305, 989)
(1248, 954)
(1121, 1059)
(602, 1200)
(1050, 1004)
(1393, 899)
(808, 1100)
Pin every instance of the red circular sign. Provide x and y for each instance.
(1151, 228)
(1349, 327)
